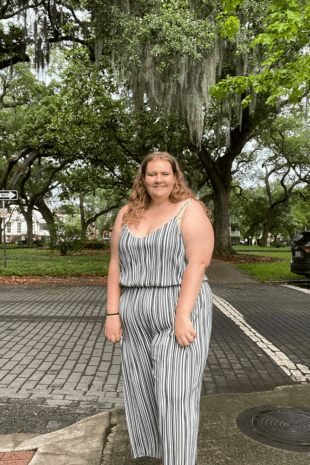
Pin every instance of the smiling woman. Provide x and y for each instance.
(159, 307)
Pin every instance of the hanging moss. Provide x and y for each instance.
(183, 86)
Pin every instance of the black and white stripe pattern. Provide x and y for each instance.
(162, 380)
(154, 260)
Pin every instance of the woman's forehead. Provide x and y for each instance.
(154, 165)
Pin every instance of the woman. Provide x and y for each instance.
(159, 307)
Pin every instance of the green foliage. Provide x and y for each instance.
(68, 246)
(95, 244)
(65, 237)
(285, 67)
(9, 246)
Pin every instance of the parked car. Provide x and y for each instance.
(300, 263)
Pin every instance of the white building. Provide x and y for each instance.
(16, 226)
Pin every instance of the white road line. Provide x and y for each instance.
(307, 291)
(297, 372)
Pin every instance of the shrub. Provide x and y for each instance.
(94, 244)
(68, 246)
(277, 244)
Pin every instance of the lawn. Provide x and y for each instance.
(277, 271)
(38, 262)
(257, 248)
(25, 262)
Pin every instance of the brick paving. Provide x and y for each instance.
(235, 362)
(53, 349)
(16, 458)
(280, 314)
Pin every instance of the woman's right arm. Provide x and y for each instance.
(113, 328)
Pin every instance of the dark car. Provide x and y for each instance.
(300, 263)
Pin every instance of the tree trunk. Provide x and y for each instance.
(221, 223)
(267, 226)
(220, 177)
(45, 211)
(27, 214)
(29, 237)
(82, 213)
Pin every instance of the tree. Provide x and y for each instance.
(284, 39)
(27, 105)
(175, 52)
(26, 163)
(288, 139)
(282, 152)
(42, 23)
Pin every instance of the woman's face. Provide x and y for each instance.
(159, 178)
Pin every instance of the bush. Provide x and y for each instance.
(68, 246)
(277, 244)
(94, 244)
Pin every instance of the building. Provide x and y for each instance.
(16, 227)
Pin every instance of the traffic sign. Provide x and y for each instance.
(8, 195)
(3, 213)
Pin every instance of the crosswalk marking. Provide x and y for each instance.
(298, 372)
(307, 291)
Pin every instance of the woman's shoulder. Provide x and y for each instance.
(124, 209)
(191, 204)
(193, 209)
(119, 218)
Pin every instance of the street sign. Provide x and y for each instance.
(8, 195)
(3, 213)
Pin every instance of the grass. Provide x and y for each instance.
(44, 263)
(257, 248)
(36, 262)
(277, 271)
(10, 246)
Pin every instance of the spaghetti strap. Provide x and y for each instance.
(181, 211)
(183, 206)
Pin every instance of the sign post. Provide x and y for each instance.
(4, 196)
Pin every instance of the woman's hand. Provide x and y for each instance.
(184, 330)
(113, 328)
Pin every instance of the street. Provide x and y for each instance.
(57, 366)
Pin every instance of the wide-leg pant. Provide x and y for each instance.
(162, 380)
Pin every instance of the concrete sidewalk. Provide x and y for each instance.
(103, 439)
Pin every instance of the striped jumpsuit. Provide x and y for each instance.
(162, 380)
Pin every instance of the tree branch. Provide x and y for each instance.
(11, 164)
(102, 212)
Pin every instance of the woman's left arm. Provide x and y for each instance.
(198, 238)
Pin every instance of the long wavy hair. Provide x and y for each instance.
(140, 200)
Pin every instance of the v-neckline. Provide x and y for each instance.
(142, 237)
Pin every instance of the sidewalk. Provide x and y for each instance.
(103, 439)
(220, 441)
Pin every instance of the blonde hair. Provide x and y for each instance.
(140, 200)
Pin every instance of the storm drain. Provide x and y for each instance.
(284, 428)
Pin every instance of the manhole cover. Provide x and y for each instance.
(285, 428)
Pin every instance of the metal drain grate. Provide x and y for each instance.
(284, 428)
